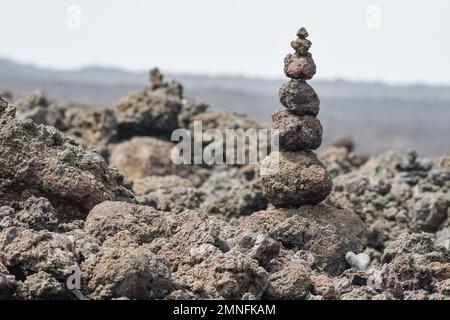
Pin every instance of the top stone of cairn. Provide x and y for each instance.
(300, 65)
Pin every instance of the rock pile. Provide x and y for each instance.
(38, 160)
(156, 110)
(295, 181)
(294, 176)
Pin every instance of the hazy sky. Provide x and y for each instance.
(398, 41)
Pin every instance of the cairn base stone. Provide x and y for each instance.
(293, 179)
(297, 133)
(299, 98)
(327, 232)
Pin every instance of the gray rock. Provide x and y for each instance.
(152, 111)
(144, 223)
(297, 133)
(290, 283)
(41, 161)
(27, 252)
(175, 199)
(38, 214)
(8, 283)
(299, 98)
(419, 245)
(143, 156)
(292, 179)
(430, 210)
(42, 286)
(153, 183)
(328, 233)
(133, 272)
(230, 275)
(443, 238)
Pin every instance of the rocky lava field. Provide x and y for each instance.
(94, 189)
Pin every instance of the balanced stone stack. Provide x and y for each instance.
(294, 176)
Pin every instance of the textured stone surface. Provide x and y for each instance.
(143, 156)
(133, 272)
(26, 252)
(299, 98)
(322, 285)
(290, 283)
(297, 133)
(292, 179)
(299, 67)
(327, 232)
(143, 223)
(152, 111)
(42, 286)
(40, 160)
(153, 183)
(228, 275)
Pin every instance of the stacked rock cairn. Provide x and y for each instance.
(294, 176)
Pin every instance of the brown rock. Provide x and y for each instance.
(230, 275)
(322, 285)
(143, 156)
(299, 67)
(27, 252)
(328, 233)
(301, 46)
(292, 179)
(143, 223)
(134, 273)
(41, 161)
(290, 283)
(297, 133)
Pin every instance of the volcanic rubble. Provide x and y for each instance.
(94, 189)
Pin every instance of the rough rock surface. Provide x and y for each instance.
(56, 214)
(394, 193)
(292, 179)
(41, 286)
(8, 283)
(154, 183)
(340, 158)
(233, 192)
(328, 233)
(230, 275)
(175, 199)
(92, 126)
(152, 111)
(134, 273)
(26, 252)
(297, 132)
(41, 161)
(299, 98)
(299, 67)
(143, 156)
(109, 218)
(290, 283)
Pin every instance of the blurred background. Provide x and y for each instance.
(383, 68)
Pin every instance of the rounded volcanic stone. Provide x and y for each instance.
(299, 67)
(299, 98)
(293, 179)
(297, 132)
(326, 232)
